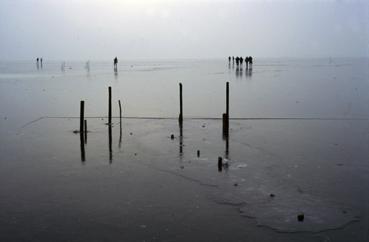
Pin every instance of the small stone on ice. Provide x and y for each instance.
(300, 217)
(172, 136)
(272, 195)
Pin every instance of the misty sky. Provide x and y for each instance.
(102, 29)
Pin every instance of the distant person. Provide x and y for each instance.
(229, 59)
(250, 61)
(62, 67)
(233, 60)
(41, 62)
(115, 63)
(87, 66)
(237, 60)
(241, 61)
(247, 62)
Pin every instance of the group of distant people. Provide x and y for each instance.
(38, 62)
(239, 61)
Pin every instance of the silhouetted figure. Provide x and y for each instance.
(250, 61)
(115, 64)
(241, 61)
(237, 61)
(37, 63)
(233, 60)
(229, 59)
(41, 62)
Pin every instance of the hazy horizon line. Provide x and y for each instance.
(186, 58)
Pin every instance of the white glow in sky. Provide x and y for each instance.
(100, 29)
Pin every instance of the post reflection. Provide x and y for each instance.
(120, 133)
(226, 140)
(82, 140)
(115, 74)
(226, 146)
(180, 139)
(110, 143)
(248, 72)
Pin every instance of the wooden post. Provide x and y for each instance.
(226, 114)
(180, 119)
(225, 128)
(81, 130)
(81, 117)
(120, 124)
(109, 122)
(120, 111)
(227, 100)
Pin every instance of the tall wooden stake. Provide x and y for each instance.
(109, 122)
(180, 119)
(81, 117)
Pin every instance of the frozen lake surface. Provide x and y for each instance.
(298, 144)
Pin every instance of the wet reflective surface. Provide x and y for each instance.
(132, 181)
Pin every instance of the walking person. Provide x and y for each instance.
(115, 64)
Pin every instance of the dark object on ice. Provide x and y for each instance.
(241, 61)
(300, 217)
(41, 62)
(272, 195)
(220, 164)
(131, 133)
(235, 184)
(198, 153)
(172, 136)
(229, 59)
